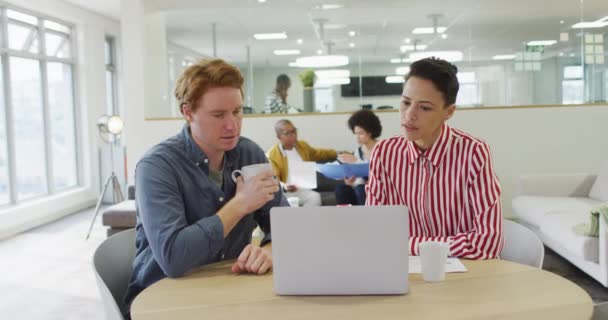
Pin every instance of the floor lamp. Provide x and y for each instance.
(109, 128)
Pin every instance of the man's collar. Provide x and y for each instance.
(196, 155)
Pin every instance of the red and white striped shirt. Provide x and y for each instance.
(451, 190)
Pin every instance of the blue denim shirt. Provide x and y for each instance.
(177, 226)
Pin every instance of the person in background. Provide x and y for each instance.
(443, 175)
(189, 210)
(366, 126)
(276, 101)
(288, 150)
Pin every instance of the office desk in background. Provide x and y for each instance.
(491, 289)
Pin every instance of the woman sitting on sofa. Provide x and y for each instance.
(367, 128)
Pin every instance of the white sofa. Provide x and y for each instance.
(551, 205)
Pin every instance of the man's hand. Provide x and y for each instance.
(256, 192)
(253, 260)
(347, 158)
(291, 188)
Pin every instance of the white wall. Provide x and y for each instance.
(523, 140)
(91, 30)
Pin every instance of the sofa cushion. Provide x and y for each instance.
(120, 215)
(559, 224)
(531, 209)
(599, 190)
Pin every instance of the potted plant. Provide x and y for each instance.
(308, 80)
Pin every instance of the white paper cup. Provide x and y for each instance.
(433, 258)
(251, 171)
(294, 201)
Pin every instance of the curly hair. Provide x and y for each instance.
(204, 75)
(367, 120)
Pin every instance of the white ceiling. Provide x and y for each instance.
(478, 28)
(109, 8)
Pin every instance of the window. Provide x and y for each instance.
(468, 94)
(573, 85)
(111, 85)
(38, 147)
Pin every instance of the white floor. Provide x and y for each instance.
(46, 273)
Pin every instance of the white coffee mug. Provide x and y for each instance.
(251, 171)
(433, 258)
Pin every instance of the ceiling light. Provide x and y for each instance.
(319, 51)
(261, 1)
(411, 47)
(300, 41)
(322, 61)
(407, 40)
(270, 36)
(590, 25)
(402, 70)
(444, 36)
(396, 60)
(332, 81)
(334, 26)
(333, 73)
(352, 45)
(286, 52)
(561, 22)
(352, 33)
(329, 6)
(428, 30)
(542, 42)
(394, 79)
(503, 57)
(450, 56)
(293, 64)
(561, 54)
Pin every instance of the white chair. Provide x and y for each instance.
(522, 245)
(113, 265)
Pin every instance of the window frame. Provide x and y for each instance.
(42, 59)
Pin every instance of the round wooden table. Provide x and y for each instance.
(491, 289)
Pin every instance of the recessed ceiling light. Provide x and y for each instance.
(328, 6)
(402, 70)
(394, 79)
(300, 41)
(331, 26)
(542, 42)
(407, 40)
(561, 54)
(450, 56)
(261, 1)
(332, 81)
(322, 61)
(352, 33)
(503, 57)
(286, 52)
(429, 30)
(352, 44)
(444, 36)
(396, 60)
(561, 22)
(270, 36)
(319, 51)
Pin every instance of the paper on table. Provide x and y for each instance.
(452, 265)
(302, 174)
(341, 171)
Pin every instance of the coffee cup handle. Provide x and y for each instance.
(239, 172)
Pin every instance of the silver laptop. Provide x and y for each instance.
(340, 250)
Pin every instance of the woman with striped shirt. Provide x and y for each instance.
(443, 175)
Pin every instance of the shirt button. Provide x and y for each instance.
(206, 160)
(221, 198)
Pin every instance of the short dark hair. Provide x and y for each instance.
(283, 79)
(441, 73)
(367, 120)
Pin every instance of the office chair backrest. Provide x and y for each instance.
(384, 108)
(113, 265)
(522, 245)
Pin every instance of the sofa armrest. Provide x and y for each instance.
(563, 185)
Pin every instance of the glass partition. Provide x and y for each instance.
(508, 53)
